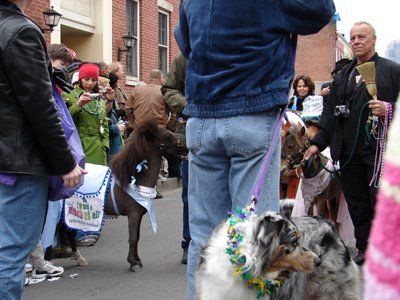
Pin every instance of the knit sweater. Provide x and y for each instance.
(382, 268)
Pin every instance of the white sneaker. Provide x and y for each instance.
(28, 267)
(48, 270)
(162, 178)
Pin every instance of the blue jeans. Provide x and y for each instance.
(22, 212)
(185, 179)
(225, 161)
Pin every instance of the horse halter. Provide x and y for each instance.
(178, 144)
(294, 163)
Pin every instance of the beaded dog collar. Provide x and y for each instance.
(235, 238)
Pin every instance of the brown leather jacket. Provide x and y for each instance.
(146, 102)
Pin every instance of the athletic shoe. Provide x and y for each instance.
(87, 241)
(94, 236)
(48, 270)
(28, 267)
(162, 178)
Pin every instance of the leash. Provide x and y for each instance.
(257, 190)
(350, 157)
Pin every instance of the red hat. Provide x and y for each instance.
(88, 70)
(72, 53)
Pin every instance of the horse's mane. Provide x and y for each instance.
(293, 118)
(137, 148)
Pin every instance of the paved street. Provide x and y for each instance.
(107, 276)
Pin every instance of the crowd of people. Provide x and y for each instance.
(219, 92)
(37, 142)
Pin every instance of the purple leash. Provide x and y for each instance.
(257, 190)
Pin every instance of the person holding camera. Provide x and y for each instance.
(88, 110)
(116, 121)
(346, 103)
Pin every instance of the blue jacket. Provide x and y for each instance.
(240, 56)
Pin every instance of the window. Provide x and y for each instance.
(163, 42)
(132, 28)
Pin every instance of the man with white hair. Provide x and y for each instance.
(363, 158)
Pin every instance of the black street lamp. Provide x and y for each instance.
(51, 18)
(129, 42)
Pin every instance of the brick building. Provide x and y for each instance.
(94, 30)
(317, 54)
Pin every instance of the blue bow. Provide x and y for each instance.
(142, 164)
(133, 180)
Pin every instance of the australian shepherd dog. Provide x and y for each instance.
(337, 278)
(248, 256)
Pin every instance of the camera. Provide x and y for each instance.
(120, 121)
(94, 96)
(342, 111)
(104, 91)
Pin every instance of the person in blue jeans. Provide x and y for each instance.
(32, 143)
(240, 68)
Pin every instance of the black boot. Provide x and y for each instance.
(359, 259)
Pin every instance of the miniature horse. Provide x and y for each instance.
(296, 141)
(148, 142)
(289, 183)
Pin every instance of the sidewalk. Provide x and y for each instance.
(170, 184)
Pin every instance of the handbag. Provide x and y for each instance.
(56, 189)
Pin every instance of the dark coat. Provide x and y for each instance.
(339, 132)
(173, 91)
(32, 140)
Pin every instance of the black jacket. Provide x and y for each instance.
(32, 139)
(339, 132)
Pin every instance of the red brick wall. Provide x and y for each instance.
(173, 20)
(148, 35)
(316, 54)
(34, 11)
(148, 52)
(118, 31)
(148, 49)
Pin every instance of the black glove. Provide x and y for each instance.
(121, 113)
(62, 79)
(110, 122)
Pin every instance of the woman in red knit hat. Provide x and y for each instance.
(88, 110)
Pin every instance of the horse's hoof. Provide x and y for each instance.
(79, 258)
(136, 268)
(140, 263)
(82, 263)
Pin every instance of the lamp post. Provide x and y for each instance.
(129, 42)
(51, 18)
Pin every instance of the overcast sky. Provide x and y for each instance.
(382, 14)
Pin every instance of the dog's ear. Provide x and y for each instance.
(268, 229)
